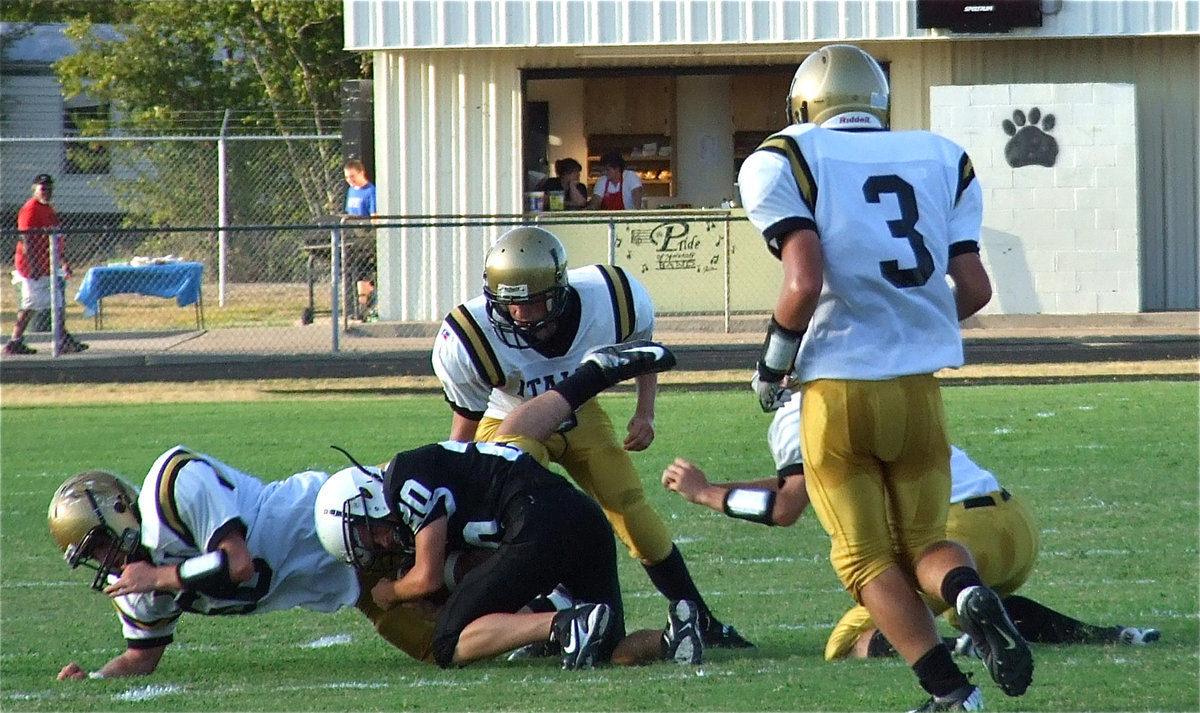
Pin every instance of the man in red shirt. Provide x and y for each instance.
(36, 221)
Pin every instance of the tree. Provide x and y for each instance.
(176, 66)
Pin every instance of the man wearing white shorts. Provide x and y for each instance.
(37, 221)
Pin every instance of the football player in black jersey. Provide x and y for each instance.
(543, 532)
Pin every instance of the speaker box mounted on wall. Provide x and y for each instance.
(978, 15)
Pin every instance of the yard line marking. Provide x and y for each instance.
(326, 641)
(145, 693)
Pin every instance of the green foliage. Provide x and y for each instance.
(1111, 470)
(177, 66)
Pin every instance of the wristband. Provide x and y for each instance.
(753, 504)
(779, 351)
(208, 574)
(96, 674)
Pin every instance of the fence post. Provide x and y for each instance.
(56, 303)
(612, 242)
(335, 280)
(728, 272)
(222, 207)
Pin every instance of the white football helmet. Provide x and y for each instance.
(96, 510)
(839, 86)
(349, 505)
(525, 265)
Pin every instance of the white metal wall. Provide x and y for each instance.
(427, 24)
(449, 132)
(448, 142)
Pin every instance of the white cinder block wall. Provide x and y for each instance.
(1062, 238)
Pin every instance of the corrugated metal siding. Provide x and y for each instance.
(430, 24)
(452, 146)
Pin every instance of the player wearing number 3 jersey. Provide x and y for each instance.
(868, 224)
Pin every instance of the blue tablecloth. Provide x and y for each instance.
(180, 280)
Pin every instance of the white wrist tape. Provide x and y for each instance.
(780, 348)
(753, 504)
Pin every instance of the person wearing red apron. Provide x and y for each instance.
(617, 189)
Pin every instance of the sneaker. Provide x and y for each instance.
(967, 698)
(619, 362)
(537, 650)
(581, 631)
(1003, 649)
(70, 345)
(681, 638)
(1134, 636)
(964, 646)
(723, 636)
(18, 346)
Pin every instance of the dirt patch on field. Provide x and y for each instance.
(390, 386)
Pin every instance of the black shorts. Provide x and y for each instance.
(552, 535)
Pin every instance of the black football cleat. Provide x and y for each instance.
(626, 360)
(1004, 651)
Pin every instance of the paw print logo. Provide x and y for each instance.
(1030, 145)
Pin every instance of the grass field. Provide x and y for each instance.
(1111, 470)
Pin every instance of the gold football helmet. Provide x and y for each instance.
(839, 86)
(96, 510)
(525, 265)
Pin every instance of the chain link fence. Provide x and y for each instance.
(286, 274)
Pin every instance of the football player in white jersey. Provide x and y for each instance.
(204, 537)
(868, 225)
(995, 525)
(528, 331)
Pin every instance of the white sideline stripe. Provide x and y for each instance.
(145, 693)
(326, 641)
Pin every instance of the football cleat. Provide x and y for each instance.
(1136, 637)
(1002, 648)
(963, 646)
(681, 638)
(537, 650)
(581, 631)
(967, 698)
(724, 636)
(626, 360)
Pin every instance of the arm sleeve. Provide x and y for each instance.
(643, 309)
(772, 201)
(465, 391)
(147, 619)
(966, 215)
(194, 506)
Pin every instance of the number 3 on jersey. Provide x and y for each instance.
(904, 228)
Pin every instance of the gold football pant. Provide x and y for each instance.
(594, 458)
(877, 467)
(1002, 537)
(401, 626)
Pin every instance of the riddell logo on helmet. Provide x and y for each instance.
(853, 119)
(512, 291)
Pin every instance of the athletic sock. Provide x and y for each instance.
(587, 381)
(937, 672)
(1041, 624)
(672, 579)
(956, 580)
